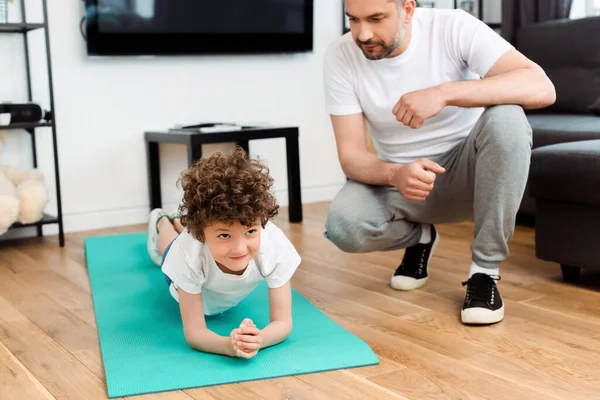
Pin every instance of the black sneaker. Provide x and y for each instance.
(483, 304)
(412, 272)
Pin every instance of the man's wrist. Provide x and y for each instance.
(446, 91)
(391, 172)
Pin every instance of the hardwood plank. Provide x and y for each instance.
(56, 369)
(92, 359)
(528, 313)
(231, 392)
(356, 267)
(399, 327)
(373, 299)
(441, 374)
(430, 374)
(16, 382)
(547, 377)
(285, 388)
(54, 285)
(441, 281)
(308, 239)
(50, 258)
(454, 382)
(64, 293)
(548, 345)
(584, 351)
(566, 299)
(56, 322)
(196, 394)
(554, 360)
(366, 381)
(385, 365)
(417, 298)
(523, 313)
(347, 386)
(176, 395)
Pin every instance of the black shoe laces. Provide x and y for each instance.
(414, 259)
(481, 288)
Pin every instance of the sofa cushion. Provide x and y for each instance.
(568, 51)
(560, 128)
(567, 172)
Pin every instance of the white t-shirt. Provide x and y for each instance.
(446, 46)
(192, 268)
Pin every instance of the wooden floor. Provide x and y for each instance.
(548, 346)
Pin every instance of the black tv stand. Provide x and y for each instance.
(194, 139)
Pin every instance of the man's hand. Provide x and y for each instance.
(415, 181)
(247, 339)
(414, 108)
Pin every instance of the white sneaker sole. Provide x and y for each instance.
(406, 282)
(481, 316)
(153, 236)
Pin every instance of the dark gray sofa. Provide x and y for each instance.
(565, 182)
(569, 52)
(563, 190)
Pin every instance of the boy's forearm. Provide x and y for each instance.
(209, 342)
(275, 333)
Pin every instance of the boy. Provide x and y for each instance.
(219, 250)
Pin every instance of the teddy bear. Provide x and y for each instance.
(23, 194)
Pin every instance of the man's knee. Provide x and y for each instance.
(350, 233)
(340, 230)
(507, 128)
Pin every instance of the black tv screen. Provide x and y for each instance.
(183, 27)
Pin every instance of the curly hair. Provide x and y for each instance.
(226, 188)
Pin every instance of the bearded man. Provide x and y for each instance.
(443, 97)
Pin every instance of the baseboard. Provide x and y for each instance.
(313, 194)
(138, 215)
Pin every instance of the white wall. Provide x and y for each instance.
(103, 107)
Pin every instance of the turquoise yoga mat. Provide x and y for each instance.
(141, 336)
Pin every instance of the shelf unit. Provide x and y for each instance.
(493, 25)
(24, 28)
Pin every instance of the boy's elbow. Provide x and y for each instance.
(288, 329)
(285, 329)
(193, 338)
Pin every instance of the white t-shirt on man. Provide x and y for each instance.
(192, 268)
(446, 46)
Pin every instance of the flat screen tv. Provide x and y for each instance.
(185, 27)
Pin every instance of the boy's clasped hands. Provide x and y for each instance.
(246, 340)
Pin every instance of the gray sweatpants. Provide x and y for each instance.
(484, 181)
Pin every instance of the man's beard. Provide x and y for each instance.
(385, 49)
